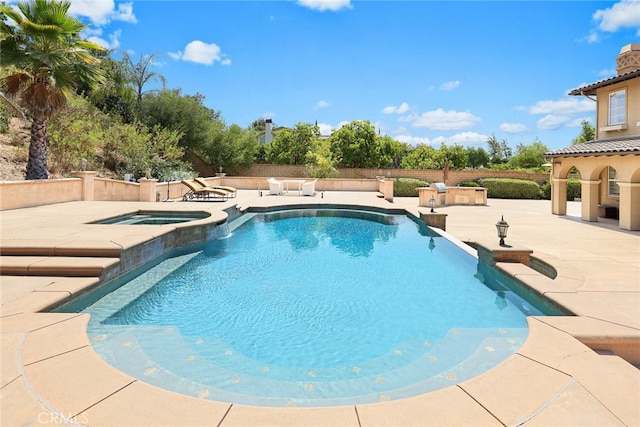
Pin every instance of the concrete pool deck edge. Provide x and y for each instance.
(50, 372)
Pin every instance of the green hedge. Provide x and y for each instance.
(574, 189)
(469, 184)
(407, 187)
(507, 188)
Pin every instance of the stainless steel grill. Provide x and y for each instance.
(441, 187)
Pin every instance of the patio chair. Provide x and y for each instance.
(309, 188)
(198, 192)
(203, 182)
(275, 187)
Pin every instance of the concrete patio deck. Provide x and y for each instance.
(50, 374)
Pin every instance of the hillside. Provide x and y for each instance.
(14, 151)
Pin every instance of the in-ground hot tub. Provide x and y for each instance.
(154, 218)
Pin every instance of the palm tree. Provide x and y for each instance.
(140, 73)
(49, 59)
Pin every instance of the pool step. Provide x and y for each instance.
(98, 248)
(62, 266)
(186, 369)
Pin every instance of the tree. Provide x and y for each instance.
(356, 144)
(588, 133)
(230, 147)
(290, 146)
(141, 73)
(477, 157)
(115, 96)
(186, 114)
(321, 162)
(528, 156)
(392, 151)
(455, 154)
(499, 151)
(50, 60)
(422, 157)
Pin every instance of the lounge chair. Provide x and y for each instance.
(309, 188)
(198, 192)
(275, 186)
(204, 184)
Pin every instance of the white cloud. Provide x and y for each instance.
(323, 5)
(625, 13)
(95, 37)
(413, 140)
(515, 128)
(445, 120)
(606, 73)
(463, 138)
(592, 37)
(466, 138)
(325, 129)
(101, 12)
(201, 53)
(450, 85)
(577, 122)
(321, 104)
(125, 13)
(400, 109)
(551, 122)
(563, 106)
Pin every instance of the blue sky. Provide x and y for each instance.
(420, 71)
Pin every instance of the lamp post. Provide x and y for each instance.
(502, 227)
(432, 203)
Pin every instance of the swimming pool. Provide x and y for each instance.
(311, 308)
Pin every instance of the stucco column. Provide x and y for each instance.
(147, 190)
(590, 200)
(88, 183)
(559, 196)
(629, 209)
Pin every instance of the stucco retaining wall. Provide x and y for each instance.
(454, 177)
(24, 194)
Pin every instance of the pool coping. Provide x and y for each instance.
(50, 371)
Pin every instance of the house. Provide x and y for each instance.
(610, 164)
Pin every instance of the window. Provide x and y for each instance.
(613, 188)
(617, 108)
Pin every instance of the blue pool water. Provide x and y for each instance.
(311, 308)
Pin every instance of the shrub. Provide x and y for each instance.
(574, 189)
(407, 187)
(469, 184)
(507, 188)
(546, 190)
(5, 119)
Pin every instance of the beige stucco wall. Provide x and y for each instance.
(632, 88)
(22, 194)
(111, 189)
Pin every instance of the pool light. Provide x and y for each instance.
(502, 227)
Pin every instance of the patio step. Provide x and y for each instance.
(62, 266)
(64, 248)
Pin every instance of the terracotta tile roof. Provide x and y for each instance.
(629, 144)
(590, 89)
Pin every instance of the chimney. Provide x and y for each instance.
(268, 124)
(628, 59)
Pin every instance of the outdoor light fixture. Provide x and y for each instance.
(502, 227)
(432, 203)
